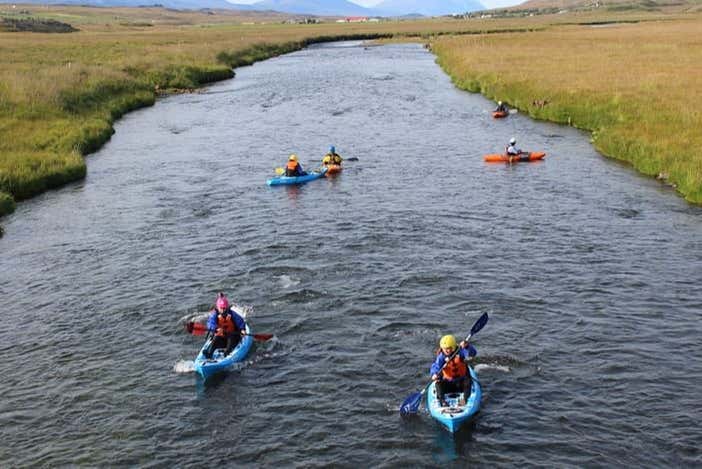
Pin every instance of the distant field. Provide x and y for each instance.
(60, 93)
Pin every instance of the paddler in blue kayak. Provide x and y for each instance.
(227, 326)
(332, 157)
(294, 168)
(454, 377)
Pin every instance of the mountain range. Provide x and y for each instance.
(306, 7)
(427, 7)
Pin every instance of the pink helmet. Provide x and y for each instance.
(222, 301)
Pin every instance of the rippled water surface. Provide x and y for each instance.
(590, 273)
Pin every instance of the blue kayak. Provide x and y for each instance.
(219, 362)
(453, 416)
(286, 180)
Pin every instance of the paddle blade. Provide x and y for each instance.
(479, 324)
(279, 171)
(195, 328)
(411, 404)
(262, 337)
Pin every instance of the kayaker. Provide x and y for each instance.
(294, 168)
(332, 157)
(512, 149)
(455, 376)
(501, 107)
(227, 326)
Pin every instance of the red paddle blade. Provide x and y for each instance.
(262, 337)
(195, 328)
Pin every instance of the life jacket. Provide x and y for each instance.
(225, 325)
(291, 168)
(327, 159)
(336, 159)
(455, 368)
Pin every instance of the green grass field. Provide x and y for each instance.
(61, 93)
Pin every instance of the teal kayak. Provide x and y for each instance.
(453, 416)
(286, 180)
(219, 362)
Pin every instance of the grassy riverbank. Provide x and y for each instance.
(61, 93)
(635, 86)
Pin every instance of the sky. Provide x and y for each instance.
(369, 3)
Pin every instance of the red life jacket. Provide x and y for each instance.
(225, 325)
(456, 368)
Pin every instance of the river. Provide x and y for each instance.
(590, 274)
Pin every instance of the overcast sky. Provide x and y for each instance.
(369, 3)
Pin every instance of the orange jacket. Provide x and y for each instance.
(225, 326)
(456, 368)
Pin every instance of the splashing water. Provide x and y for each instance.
(245, 311)
(184, 366)
(487, 366)
(286, 281)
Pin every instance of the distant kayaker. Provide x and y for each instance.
(332, 157)
(294, 168)
(454, 377)
(512, 149)
(501, 107)
(226, 325)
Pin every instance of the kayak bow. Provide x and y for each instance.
(453, 416)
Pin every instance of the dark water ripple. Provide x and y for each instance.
(590, 274)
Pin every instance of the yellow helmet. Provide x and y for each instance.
(293, 157)
(448, 341)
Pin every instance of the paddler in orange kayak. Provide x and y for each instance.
(512, 150)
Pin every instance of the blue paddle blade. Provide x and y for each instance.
(479, 324)
(411, 404)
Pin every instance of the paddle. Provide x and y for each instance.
(195, 328)
(411, 404)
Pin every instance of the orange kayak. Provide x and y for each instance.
(333, 169)
(524, 156)
(499, 114)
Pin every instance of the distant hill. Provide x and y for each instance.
(314, 7)
(427, 7)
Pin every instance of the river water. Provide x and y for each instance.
(590, 274)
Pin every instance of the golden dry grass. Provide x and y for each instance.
(636, 86)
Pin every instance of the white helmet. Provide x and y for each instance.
(512, 141)
(499, 103)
